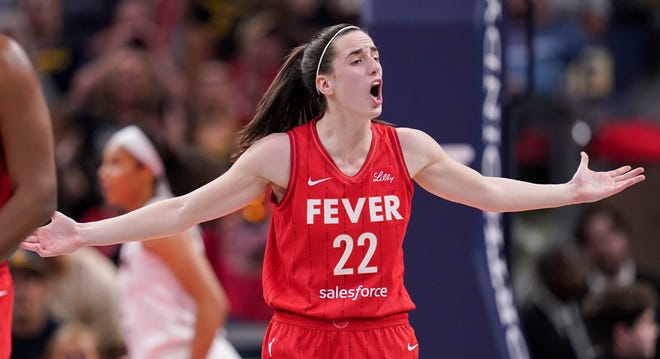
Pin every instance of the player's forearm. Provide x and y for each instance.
(161, 219)
(508, 195)
(28, 208)
(209, 319)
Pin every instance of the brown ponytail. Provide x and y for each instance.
(291, 100)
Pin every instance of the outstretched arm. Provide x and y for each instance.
(436, 172)
(26, 139)
(265, 163)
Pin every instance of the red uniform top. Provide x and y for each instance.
(6, 288)
(335, 244)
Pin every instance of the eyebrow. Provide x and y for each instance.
(357, 51)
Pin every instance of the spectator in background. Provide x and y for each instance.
(260, 50)
(124, 87)
(33, 324)
(557, 41)
(213, 112)
(552, 321)
(85, 291)
(54, 55)
(188, 321)
(621, 321)
(605, 239)
(74, 341)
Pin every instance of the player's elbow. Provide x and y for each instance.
(44, 200)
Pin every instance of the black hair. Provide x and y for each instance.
(616, 305)
(186, 168)
(588, 213)
(291, 99)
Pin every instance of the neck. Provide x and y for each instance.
(346, 140)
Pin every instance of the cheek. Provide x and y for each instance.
(117, 187)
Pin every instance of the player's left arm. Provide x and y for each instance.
(193, 271)
(439, 174)
(26, 138)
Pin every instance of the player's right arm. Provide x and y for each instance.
(26, 139)
(266, 163)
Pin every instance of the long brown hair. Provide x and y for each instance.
(291, 99)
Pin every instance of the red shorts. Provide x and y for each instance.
(6, 301)
(293, 336)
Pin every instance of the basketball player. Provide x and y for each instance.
(341, 190)
(27, 166)
(185, 322)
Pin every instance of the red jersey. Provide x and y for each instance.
(6, 287)
(335, 244)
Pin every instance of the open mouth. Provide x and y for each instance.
(375, 91)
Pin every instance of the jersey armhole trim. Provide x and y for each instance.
(401, 160)
(290, 187)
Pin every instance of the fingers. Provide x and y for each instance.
(628, 174)
(31, 246)
(584, 159)
(620, 186)
(34, 247)
(619, 171)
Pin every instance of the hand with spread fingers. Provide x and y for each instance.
(60, 236)
(591, 186)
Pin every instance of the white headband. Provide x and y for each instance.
(318, 67)
(135, 142)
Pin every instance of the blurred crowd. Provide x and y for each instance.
(585, 75)
(581, 74)
(191, 70)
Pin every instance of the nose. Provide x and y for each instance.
(375, 68)
(101, 171)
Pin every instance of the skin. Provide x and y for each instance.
(638, 340)
(26, 137)
(129, 185)
(344, 131)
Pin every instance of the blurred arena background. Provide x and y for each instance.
(510, 87)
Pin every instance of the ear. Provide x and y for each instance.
(620, 334)
(324, 85)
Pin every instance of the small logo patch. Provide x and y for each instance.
(311, 182)
(382, 176)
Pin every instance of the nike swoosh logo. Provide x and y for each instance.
(314, 183)
(3, 293)
(412, 347)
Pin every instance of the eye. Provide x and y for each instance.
(356, 62)
(377, 58)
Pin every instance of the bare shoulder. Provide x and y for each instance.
(15, 66)
(419, 149)
(11, 54)
(270, 158)
(414, 140)
(271, 146)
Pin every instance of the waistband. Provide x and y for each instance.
(340, 324)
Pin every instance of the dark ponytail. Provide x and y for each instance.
(291, 100)
(285, 105)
